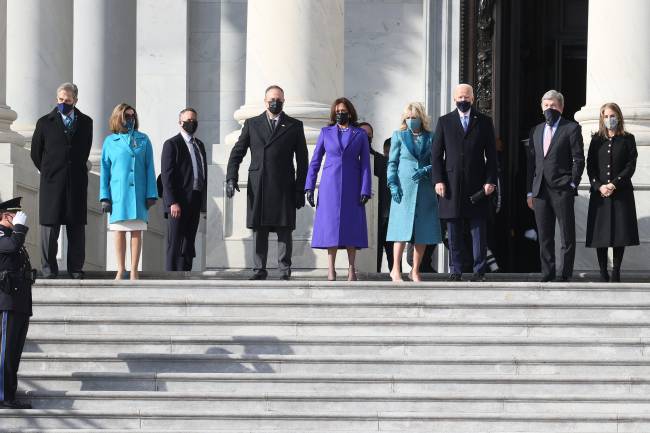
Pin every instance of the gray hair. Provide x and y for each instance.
(553, 94)
(68, 87)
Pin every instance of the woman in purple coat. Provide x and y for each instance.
(344, 189)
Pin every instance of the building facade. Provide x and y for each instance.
(219, 56)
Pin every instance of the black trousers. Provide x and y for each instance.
(550, 205)
(285, 248)
(13, 328)
(181, 235)
(50, 245)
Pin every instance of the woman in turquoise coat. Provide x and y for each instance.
(414, 205)
(127, 184)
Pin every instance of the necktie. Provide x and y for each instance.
(199, 164)
(465, 123)
(273, 124)
(548, 136)
(67, 121)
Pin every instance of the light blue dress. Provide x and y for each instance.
(415, 219)
(127, 177)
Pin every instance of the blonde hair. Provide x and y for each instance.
(416, 108)
(620, 127)
(116, 121)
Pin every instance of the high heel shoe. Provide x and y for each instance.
(331, 276)
(352, 274)
(616, 275)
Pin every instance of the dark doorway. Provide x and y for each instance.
(536, 46)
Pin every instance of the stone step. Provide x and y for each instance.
(528, 293)
(453, 422)
(116, 307)
(280, 327)
(632, 348)
(322, 364)
(356, 402)
(494, 384)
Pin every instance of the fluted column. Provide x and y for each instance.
(39, 53)
(617, 71)
(104, 66)
(297, 45)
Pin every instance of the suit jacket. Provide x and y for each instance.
(464, 162)
(61, 158)
(273, 181)
(177, 174)
(564, 162)
(14, 257)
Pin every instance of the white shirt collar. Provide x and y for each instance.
(466, 114)
(187, 137)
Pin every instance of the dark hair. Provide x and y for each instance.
(273, 86)
(348, 106)
(185, 110)
(360, 124)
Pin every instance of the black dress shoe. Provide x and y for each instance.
(77, 275)
(616, 276)
(455, 277)
(547, 278)
(477, 277)
(14, 404)
(563, 279)
(285, 276)
(51, 276)
(259, 275)
(604, 276)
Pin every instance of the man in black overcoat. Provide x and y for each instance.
(464, 164)
(16, 279)
(555, 164)
(275, 187)
(60, 148)
(183, 172)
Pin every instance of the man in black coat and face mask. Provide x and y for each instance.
(555, 164)
(183, 173)
(60, 147)
(275, 187)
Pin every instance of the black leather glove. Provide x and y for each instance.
(107, 206)
(364, 199)
(310, 197)
(150, 202)
(231, 186)
(300, 199)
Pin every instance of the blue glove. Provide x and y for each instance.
(421, 173)
(396, 193)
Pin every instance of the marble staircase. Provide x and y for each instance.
(208, 355)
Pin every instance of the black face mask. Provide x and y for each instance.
(369, 140)
(551, 115)
(463, 106)
(342, 118)
(275, 106)
(190, 126)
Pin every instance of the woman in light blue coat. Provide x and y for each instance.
(414, 205)
(127, 184)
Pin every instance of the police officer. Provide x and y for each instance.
(16, 278)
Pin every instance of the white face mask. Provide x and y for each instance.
(611, 123)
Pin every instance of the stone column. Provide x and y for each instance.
(297, 45)
(104, 67)
(617, 71)
(39, 49)
(7, 115)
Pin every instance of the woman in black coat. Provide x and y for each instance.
(611, 161)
